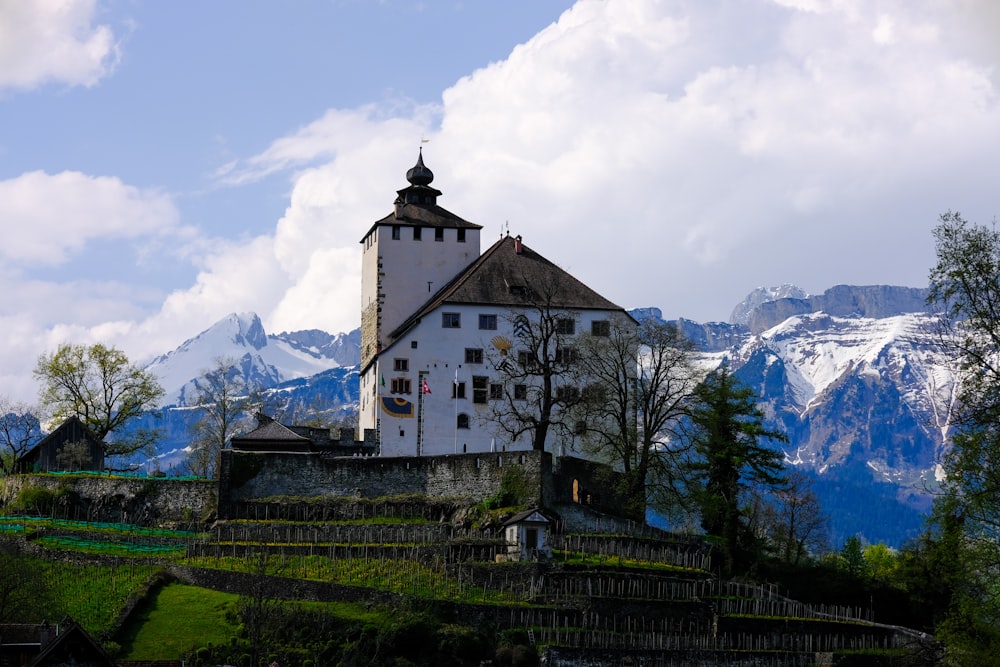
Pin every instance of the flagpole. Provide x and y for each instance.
(455, 420)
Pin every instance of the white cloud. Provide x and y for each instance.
(52, 216)
(669, 154)
(43, 41)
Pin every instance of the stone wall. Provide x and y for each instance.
(147, 501)
(248, 476)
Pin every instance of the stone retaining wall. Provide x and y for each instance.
(145, 501)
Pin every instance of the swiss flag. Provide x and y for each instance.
(427, 389)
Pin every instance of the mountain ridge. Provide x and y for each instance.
(863, 391)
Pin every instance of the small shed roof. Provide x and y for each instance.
(528, 516)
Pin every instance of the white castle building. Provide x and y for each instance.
(445, 328)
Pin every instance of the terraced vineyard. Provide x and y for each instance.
(648, 595)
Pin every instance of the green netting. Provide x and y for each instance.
(109, 547)
(94, 526)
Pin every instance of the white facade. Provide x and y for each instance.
(439, 422)
(433, 308)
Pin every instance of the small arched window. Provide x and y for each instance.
(463, 421)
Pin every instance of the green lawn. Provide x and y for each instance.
(177, 619)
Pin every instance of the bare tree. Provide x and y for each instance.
(640, 379)
(794, 521)
(19, 432)
(541, 374)
(224, 403)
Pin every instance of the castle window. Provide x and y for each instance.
(496, 392)
(400, 386)
(565, 326)
(395, 232)
(600, 328)
(473, 355)
(463, 421)
(520, 392)
(567, 393)
(525, 359)
(401, 365)
(413, 344)
(580, 428)
(458, 390)
(416, 233)
(567, 355)
(480, 385)
(488, 322)
(439, 233)
(451, 320)
(461, 235)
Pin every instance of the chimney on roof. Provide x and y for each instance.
(518, 247)
(398, 207)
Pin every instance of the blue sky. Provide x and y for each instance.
(165, 164)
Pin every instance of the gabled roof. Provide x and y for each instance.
(528, 516)
(272, 431)
(510, 274)
(72, 646)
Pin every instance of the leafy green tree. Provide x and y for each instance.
(881, 562)
(965, 286)
(639, 383)
(728, 458)
(104, 389)
(224, 400)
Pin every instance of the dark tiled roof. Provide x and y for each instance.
(424, 215)
(503, 277)
(528, 516)
(272, 430)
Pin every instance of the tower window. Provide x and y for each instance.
(439, 233)
(520, 392)
(488, 322)
(496, 392)
(565, 326)
(461, 235)
(473, 355)
(416, 233)
(401, 365)
(451, 320)
(600, 328)
(458, 390)
(462, 421)
(395, 232)
(400, 386)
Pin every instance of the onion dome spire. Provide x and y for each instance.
(420, 190)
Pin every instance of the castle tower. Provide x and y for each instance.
(407, 257)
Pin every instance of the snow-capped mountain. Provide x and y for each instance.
(263, 360)
(857, 381)
(853, 376)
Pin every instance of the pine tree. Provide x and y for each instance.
(728, 457)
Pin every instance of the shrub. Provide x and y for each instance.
(36, 499)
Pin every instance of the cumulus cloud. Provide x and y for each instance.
(707, 148)
(55, 215)
(669, 154)
(53, 41)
